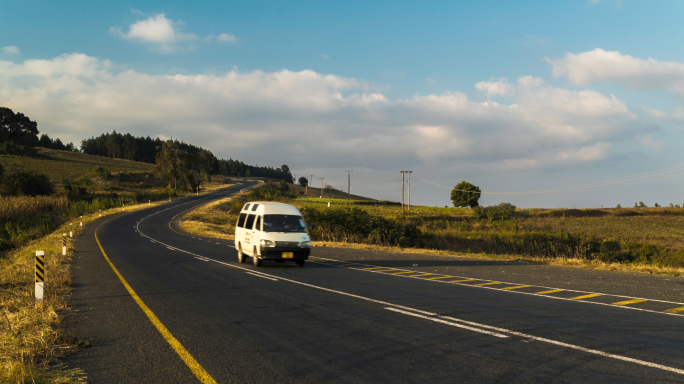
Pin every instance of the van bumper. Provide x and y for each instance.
(276, 253)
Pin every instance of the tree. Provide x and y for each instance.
(303, 181)
(17, 129)
(465, 194)
(171, 161)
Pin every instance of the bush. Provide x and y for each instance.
(503, 211)
(27, 184)
(102, 173)
(357, 225)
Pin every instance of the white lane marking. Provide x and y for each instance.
(254, 274)
(577, 347)
(572, 346)
(438, 320)
(201, 258)
(517, 292)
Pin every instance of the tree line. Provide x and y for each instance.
(19, 136)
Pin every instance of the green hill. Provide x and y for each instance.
(61, 165)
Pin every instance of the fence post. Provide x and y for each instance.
(40, 275)
(64, 244)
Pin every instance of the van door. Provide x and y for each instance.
(240, 229)
(249, 225)
(256, 233)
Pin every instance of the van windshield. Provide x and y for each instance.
(284, 223)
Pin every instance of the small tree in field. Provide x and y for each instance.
(465, 194)
(303, 181)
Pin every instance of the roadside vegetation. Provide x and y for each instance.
(638, 239)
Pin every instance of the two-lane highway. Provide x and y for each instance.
(182, 309)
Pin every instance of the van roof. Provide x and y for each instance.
(269, 207)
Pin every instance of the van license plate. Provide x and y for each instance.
(288, 255)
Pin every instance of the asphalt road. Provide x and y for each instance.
(355, 316)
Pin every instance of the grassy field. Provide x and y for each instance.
(639, 239)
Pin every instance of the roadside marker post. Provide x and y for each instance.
(40, 275)
(100, 213)
(149, 202)
(81, 222)
(71, 230)
(64, 244)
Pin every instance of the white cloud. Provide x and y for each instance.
(650, 142)
(226, 38)
(306, 117)
(164, 35)
(11, 50)
(612, 66)
(493, 88)
(678, 114)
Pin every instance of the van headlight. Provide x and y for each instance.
(305, 244)
(267, 243)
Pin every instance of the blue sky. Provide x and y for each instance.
(513, 96)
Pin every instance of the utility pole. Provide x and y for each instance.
(322, 178)
(349, 184)
(310, 181)
(409, 194)
(402, 190)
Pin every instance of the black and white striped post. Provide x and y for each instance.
(64, 244)
(40, 275)
(81, 222)
(71, 230)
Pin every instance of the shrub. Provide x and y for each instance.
(357, 225)
(102, 173)
(503, 211)
(29, 184)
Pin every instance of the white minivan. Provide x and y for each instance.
(273, 232)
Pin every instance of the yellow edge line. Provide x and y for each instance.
(519, 286)
(627, 302)
(480, 285)
(584, 296)
(190, 361)
(424, 274)
(400, 273)
(675, 310)
(373, 268)
(551, 291)
(460, 281)
(440, 277)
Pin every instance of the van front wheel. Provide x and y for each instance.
(300, 263)
(255, 259)
(241, 256)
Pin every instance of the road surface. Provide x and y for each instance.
(162, 306)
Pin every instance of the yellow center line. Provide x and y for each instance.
(424, 274)
(519, 286)
(551, 291)
(401, 273)
(627, 302)
(675, 310)
(460, 281)
(493, 283)
(585, 296)
(190, 361)
(373, 268)
(440, 277)
(385, 270)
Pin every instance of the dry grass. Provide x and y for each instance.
(215, 219)
(13, 207)
(31, 341)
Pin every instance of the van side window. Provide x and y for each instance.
(257, 224)
(241, 220)
(254, 207)
(250, 221)
(246, 207)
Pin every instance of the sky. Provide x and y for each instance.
(511, 96)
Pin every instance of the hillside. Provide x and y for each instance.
(61, 165)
